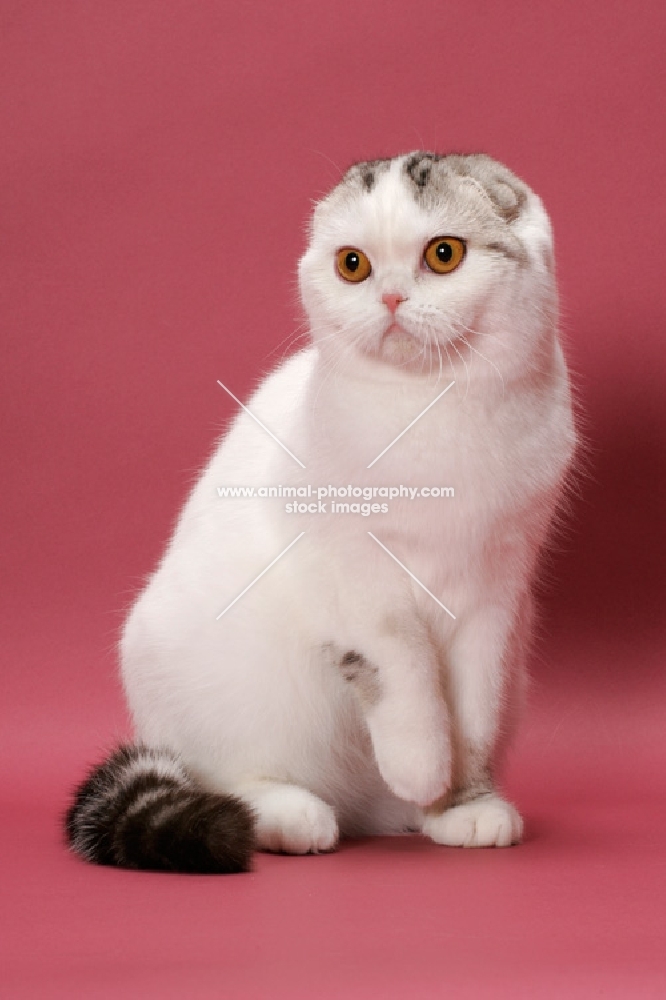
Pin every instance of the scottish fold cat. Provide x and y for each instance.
(298, 673)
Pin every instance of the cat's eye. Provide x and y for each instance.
(444, 254)
(353, 265)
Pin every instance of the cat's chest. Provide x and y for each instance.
(482, 454)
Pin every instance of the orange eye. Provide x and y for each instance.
(444, 254)
(353, 265)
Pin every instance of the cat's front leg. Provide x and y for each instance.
(395, 675)
(485, 677)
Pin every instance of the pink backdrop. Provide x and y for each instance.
(158, 162)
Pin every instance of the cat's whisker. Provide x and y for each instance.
(301, 331)
(329, 365)
(325, 156)
(432, 346)
(502, 343)
(432, 342)
(487, 360)
(333, 362)
(458, 322)
(439, 355)
(427, 348)
(465, 366)
(448, 358)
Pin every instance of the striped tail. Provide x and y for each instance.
(141, 809)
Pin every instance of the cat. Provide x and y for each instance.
(296, 676)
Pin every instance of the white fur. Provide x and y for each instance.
(253, 703)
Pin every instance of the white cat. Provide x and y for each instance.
(337, 696)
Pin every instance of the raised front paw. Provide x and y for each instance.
(416, 768)
(488, 821)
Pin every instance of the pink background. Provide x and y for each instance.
(158, 162)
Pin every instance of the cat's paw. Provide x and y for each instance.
(415, 777)
(415, 771)
(292, 820)
(411, 745)
(488, 821)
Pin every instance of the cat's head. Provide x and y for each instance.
(424, 257)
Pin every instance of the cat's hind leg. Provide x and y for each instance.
(289, 819)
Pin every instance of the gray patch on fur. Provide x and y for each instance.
(462, 796)
(472, 778)
(365, 173)
(433, 175)
(350, 662)
(362, 675)
(478, 789)
(419, 168)
(509, 250)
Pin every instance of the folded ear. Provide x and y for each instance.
(507, 200)
(506, 192)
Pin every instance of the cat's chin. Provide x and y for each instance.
(399, 348)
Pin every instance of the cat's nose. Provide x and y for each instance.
(393, 300)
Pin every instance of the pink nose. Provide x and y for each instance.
(392, 300)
